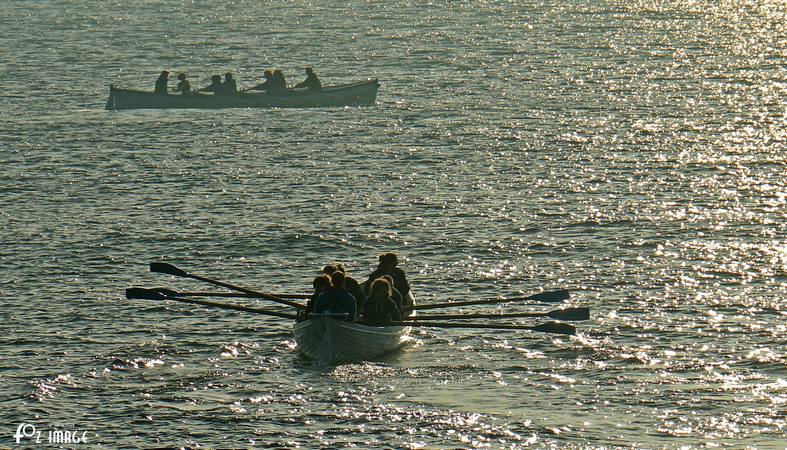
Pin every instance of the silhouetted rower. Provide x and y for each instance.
(266, 85)
(312, 82)
(215, 85)
(229, 85)
(161, 83)
(184, 87)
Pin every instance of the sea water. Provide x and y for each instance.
(632, 152)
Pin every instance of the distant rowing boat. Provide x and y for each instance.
(362, 93)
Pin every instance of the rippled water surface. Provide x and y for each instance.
(631, 152)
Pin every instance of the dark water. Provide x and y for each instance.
(632, 152)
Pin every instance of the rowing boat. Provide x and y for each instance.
(331, 339)
(362, 93)
(328, 339)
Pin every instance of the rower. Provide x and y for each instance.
(229, 87)
(279, 82)
(215, 85)
(395, 294)
(379, 307)
(184, 87)
(336, 299)
(387, 265)
(321, 284)
(311, 83)
(352, 286)
(161, 83)
(266, 85)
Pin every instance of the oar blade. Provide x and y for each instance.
(551, 296)
(570, 314)
(144, 294)
(555, 327)
(167, 268)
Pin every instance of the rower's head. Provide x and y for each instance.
(216, 78)
(164, 74)
(337, 279)
(181, 76)
(309, 71)
(331, 268)
(388, 259)
(227, 76)
(380, 287)
(322, 283)
(268, 73)
(278, 73)
(389, 279)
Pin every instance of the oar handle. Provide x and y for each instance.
(172, 270)
(251, 293)
(558, 314)
(552, 296)
(477, 316)
(173, 293)
(150, 294)
(550, 327)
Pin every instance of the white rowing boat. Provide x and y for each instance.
(329, 339)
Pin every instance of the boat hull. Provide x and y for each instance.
(329, 340)
(362, 93)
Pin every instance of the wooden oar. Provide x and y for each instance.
(173, 293)
(546, 297)
(549, 327)
(558, 314)
(543, 297)
(149, 294)
(172, 270)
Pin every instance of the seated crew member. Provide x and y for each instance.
(395, 294)
(336, 299)
(215, 86)
(388, 263)
(161, 83)
(320, 284)
(311, 83)
(184, 87)
(379, 307)
(279, 82)
(352, 286)
(229, 87)
(266, 85)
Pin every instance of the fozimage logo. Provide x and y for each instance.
(28, 432)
